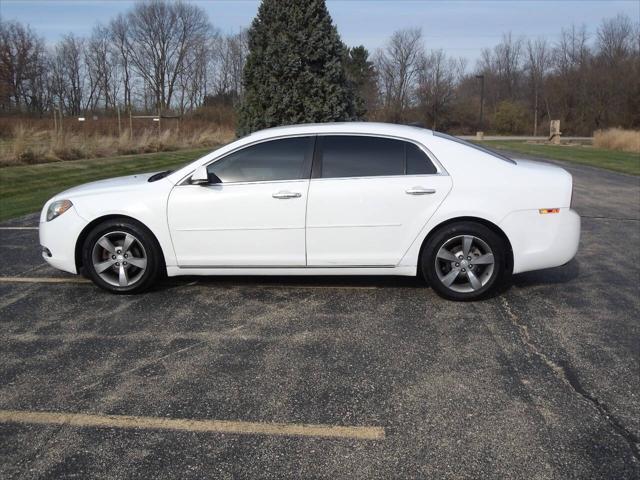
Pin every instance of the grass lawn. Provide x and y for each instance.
(24, 189)
(624, 162)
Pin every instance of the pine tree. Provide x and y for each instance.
(294, 71)
(361, 75)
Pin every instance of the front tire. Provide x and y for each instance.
(121, 256)
(464, 261)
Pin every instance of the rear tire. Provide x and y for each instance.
(464, 261)
(121, 256)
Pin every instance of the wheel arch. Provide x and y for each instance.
(97, 221)
(483, 221)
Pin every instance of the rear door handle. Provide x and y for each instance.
(284, 195)
(420, 191)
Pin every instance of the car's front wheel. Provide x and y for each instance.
(121, 257)
(464, 261)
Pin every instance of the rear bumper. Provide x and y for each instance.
(542, 241)
(59, 237)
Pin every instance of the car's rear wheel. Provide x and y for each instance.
(464, 261)
(122, 257)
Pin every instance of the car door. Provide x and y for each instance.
(369, 197)
(255, 215)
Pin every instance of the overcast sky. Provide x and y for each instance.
(461, 28)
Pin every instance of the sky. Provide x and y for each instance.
(460, 27)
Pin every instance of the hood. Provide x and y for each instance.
(108, 185)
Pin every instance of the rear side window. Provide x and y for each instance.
(364, 156)
(283, 159)
(353, 156)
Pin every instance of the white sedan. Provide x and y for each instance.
(323, 199)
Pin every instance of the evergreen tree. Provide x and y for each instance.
(294, 71)
(361, 75)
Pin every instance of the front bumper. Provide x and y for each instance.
(542, 240)
(59, 237)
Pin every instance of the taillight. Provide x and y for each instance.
(544, 211)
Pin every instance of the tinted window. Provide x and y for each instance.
(417, 162)
(285, 159)
(360, 156)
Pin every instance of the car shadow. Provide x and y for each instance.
(548, 276)
(296, 281)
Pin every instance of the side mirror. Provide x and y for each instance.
(202, 177)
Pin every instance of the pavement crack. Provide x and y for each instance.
(569, 377)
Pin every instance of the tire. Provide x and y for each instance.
(117, 270)
(452, 273)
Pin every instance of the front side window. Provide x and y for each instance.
(365, 156)
(282, 159)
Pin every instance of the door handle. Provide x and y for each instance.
(420, 191)
(284, 195)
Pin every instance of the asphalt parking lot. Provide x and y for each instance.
(329, 377)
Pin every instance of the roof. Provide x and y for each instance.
(377, 128)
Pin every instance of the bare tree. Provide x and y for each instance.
(22, 68)
(228, 60)
(615, 39)
(538, 64)
(159, 38)
(119, 32)
(398, 65)
(437, 81)
(68, 74)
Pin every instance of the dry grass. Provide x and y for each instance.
(618, 139)
(30, 145)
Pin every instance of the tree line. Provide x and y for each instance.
(158, 56)
(167, 56)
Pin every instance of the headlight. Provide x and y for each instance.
(58, 208)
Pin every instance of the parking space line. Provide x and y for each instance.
(43, 280)
(188, 425)
(274, 286)
(19, 228)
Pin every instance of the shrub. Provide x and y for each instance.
(510, 117)
(617, 139)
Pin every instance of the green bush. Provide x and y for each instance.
(510, 117)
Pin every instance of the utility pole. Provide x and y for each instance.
(481, 123)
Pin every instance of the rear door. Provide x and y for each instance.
(369, 197)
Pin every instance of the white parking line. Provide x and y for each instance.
(188, 425)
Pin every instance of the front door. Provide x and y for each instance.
(254, 217)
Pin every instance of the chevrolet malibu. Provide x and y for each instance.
(325, 199)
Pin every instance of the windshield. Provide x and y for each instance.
(476, 146)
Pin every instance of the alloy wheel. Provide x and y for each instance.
(119, 258)
(464, 263)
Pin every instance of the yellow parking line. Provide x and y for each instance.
(204, 426)
(19, 228)
(275, 286)
(43, 280)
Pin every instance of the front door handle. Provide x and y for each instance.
(420, 191)
(284, 195)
